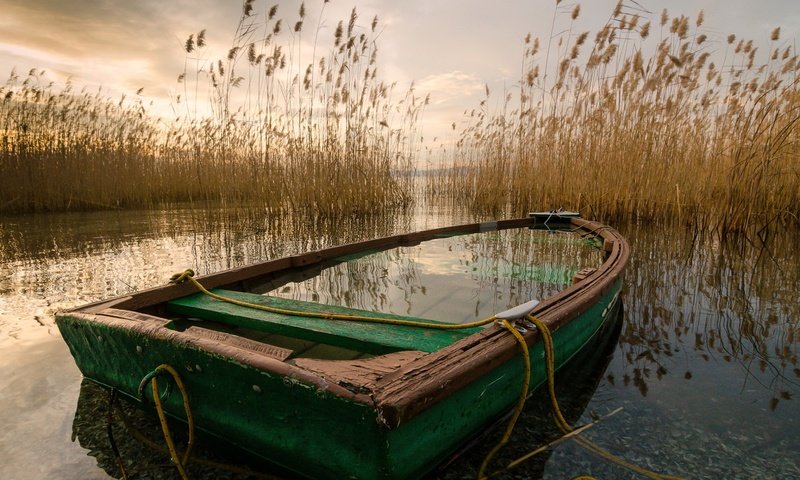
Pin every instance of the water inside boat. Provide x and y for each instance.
(452, 279)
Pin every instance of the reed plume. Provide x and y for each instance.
(273, 123)
(640, 128)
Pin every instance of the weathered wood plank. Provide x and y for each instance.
(359, 375)
(361, 336)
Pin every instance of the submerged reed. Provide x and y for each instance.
(652, 122)
(273, 122)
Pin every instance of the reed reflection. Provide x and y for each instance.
(57, 261)
(473, 276)
(694, 301)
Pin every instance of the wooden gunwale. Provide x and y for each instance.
(417, 385)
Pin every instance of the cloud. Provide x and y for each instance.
(452, 48)
(118, 44)
(450, 86)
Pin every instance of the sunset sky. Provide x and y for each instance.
(451, 48)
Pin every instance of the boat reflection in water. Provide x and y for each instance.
(138, 438)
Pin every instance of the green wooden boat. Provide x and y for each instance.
(412, 399)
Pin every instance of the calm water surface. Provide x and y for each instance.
(704, 362)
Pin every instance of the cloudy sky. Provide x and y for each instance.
(450, 48)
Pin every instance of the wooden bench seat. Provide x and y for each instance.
(365, 337)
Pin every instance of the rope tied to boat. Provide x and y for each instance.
(152, 378)
(561, 422)
(181, 277)
(523, 396)
(547, 340)
(139, 436)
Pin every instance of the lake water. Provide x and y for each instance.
(704, 363)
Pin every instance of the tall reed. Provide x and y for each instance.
(653, 121)
(274, 122)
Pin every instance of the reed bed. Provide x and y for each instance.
(655, 121)
(275, 122)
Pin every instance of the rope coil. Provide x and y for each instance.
(152, 378)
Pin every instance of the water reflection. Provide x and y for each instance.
(57, 261)
(457, 279)
(138, 439)
(705, 368)
(692, 303)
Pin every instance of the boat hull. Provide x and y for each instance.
(302, 427)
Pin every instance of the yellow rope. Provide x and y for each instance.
(523, 395)
(557, 441)
(180, 462)
(550, 365)
(189, 275)
(547, 340)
